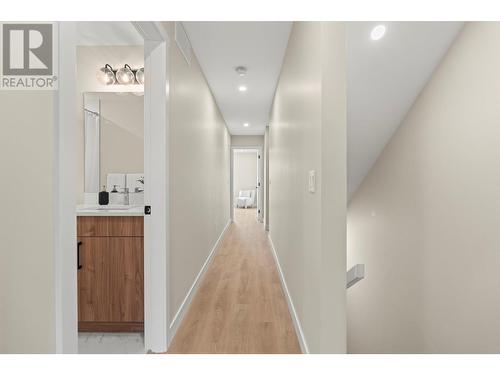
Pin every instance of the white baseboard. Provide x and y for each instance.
(181, 313)
(289, 301)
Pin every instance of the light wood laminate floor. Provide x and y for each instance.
(240, 306)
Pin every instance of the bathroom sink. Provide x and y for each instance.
(111, 210)
(108, 208)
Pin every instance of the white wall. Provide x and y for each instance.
(425, 220)
(89, 60)
(245, 172)
(200, 172)
(308, 132)
(26, 220)
(247, 140)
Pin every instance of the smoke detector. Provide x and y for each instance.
(241, 70)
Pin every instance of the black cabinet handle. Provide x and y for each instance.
(78, 254)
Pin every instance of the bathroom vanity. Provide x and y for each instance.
(110, 269)
(110, 243)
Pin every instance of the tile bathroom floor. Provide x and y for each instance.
(110, 343)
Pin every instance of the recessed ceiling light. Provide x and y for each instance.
(246, 124)
(242, 88)
(378, 32)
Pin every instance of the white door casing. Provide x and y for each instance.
(156, 187)
(156, 249)
(260, 182)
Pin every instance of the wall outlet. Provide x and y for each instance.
(312, 181)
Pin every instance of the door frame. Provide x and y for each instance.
(156, 194)
(64, 195)
(260, 176)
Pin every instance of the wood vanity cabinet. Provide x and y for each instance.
(111, 273)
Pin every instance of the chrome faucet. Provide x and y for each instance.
(138, 189)
(125, 192)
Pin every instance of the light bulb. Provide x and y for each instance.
(139, 76)
(246, 124)
(106, 75)
(242, 88)
(125, 75)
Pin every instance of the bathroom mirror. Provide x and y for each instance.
(114, 141)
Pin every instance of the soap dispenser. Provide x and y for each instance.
(103, 197)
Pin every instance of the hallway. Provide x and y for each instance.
(240, 306)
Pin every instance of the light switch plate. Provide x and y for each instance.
(312, 181)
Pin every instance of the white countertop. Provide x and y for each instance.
(111, 210)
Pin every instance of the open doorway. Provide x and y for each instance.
(110, 202)
(114, 282)
(247, 183)
(110, 225)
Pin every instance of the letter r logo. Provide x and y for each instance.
(27, 49)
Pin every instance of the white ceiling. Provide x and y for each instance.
(384, 78)
(222, 46)
(107, 34)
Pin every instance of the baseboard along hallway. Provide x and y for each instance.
(240, 306)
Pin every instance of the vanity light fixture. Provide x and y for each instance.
(139, 76)
(106, 75)
(123, 76)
